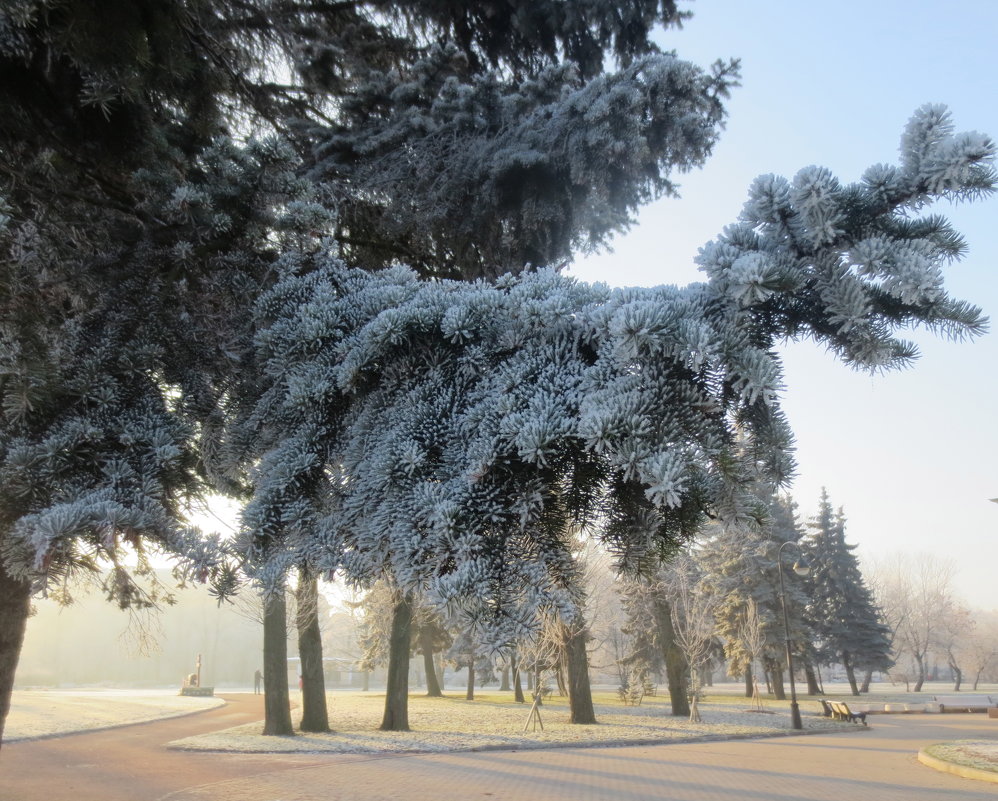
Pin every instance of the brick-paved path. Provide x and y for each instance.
(875, 765)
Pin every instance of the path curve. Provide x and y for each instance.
(132, 764)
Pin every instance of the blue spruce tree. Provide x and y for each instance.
(846, 623)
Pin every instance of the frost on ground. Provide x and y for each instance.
(980, 754)
(46, 713)
(453, 724)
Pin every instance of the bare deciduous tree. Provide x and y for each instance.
(914, 591)
(693, 609)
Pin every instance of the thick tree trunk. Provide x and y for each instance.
(315, 716)
(812, 680)
(469, 694)
(580, 696)
(675, 663)
(367, 681)
(426, 645)
(749, 683)
(867, 678)
(276, 701)
(850, 673)
(396, 717)
(776, 676)
(15, 606)
(517, 685)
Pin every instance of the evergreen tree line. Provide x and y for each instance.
(716, 602)
(831, 617)
(306, 254)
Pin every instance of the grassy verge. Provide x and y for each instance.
(977, 754)
(493, 721)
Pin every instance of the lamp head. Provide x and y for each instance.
(802, 567)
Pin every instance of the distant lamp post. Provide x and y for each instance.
(801, 568)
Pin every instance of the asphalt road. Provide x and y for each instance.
(131, 764)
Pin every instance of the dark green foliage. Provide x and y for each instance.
(846, 623)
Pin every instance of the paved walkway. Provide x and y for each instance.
(131, 763)
(875, 765)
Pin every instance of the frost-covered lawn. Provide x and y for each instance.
(45, 713)
(980, 754)
(492, 721)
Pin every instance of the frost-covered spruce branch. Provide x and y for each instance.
(849, 265)
(475, 175)
(465, 426)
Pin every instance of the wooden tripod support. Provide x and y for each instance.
(535, 713)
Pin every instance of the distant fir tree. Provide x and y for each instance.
(741, 569)
(648, 602)
(847, 625)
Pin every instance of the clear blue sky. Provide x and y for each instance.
(910, 455)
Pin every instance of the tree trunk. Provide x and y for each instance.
(276, 701)
(920, 677)
(867, 678)
(15, 607)
(957, 674)
(530, 681)
(559, 679)
(776, 676)
(504, 680)
(850, 673)
(749, 684)
(315, 716)
(675, 663)
(396, 717)
(469, 694)
(812, 680)
(580, 696)
(367, 681)
(517, 686)
(426, 646)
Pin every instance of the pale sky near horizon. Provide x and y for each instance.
(908, 455)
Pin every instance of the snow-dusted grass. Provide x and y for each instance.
(493, 721)
(979, 754)
(47, 713)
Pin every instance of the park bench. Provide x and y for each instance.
(841, 711)
(826, 708)
(965, 702)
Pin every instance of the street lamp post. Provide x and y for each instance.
(801, 568)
